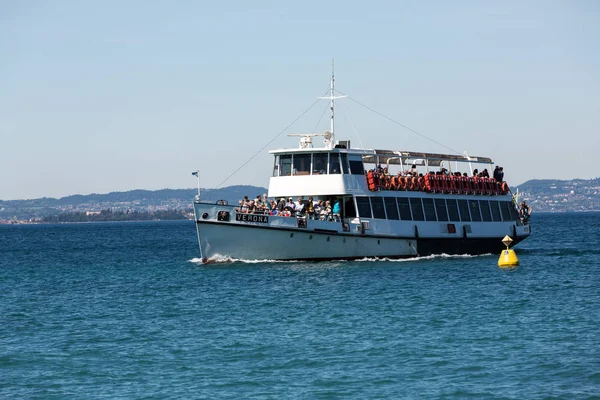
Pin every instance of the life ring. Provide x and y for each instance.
(504, 188)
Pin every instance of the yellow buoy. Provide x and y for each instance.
(508, 258)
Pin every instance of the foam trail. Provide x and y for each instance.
(218, 259)
(430, 257)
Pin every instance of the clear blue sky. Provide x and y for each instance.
(119, 95)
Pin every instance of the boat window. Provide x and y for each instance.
(463, 207)
(357, 168)
(364, 207)
(378, 210)
(505, 208)
(486, 215)
(301, 164)
(495, 211)
(452, 210)
(285, 165)
(319, 163)
(334, 164)
(429, 210)
(475, 214)
(390, 208)
(440, 207)
(344, 160)
(276, 166)
(513, 212)
(404, 209)
(417, 209)
(349, 209)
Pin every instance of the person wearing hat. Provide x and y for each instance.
(291, 204)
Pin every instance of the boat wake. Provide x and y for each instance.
(421, 258)
(229, 260)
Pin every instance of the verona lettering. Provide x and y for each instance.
(252, 218)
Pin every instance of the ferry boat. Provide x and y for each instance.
(380, 213)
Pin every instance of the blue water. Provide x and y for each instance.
(121, 311)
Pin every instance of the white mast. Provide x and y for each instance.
(332, 85)
(330, 139)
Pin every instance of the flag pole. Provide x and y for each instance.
(198, 176)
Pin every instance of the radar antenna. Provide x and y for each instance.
(306, 138)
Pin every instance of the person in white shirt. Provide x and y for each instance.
(299, 205)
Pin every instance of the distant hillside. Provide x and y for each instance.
(543, 194)
(133, 200)
(552, 195)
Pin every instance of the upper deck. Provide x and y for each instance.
(341, 170)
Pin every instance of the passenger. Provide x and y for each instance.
(244, 206)
(309, 208)
(251, 207)
(281, 204)
(499, 174)
(290, 204)
(273, 207)
(484, 174)
(465, 175)
(475, 172)
(337, 209)
(318, 207)
(406, 173)
(413, 170)
(326, 211)
(299, 205)
(524, 212)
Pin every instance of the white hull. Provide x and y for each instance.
(256, 243)
(280, 238)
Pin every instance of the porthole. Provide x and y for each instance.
(292, 235)
(205, 216)
(328, 238)
(310, 237)
(378, 241)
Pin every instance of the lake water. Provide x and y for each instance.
(125, 310)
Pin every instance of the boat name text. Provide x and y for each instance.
(263, 219)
